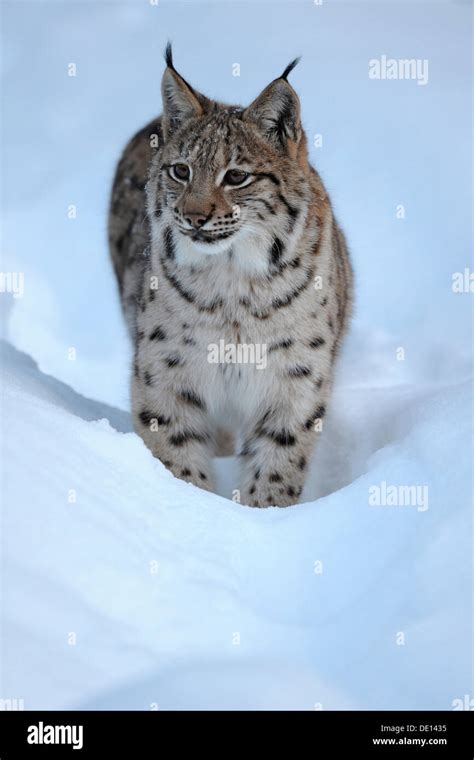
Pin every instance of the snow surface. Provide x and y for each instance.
(183, 599)
(144, 591)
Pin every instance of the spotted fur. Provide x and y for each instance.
(199, 260)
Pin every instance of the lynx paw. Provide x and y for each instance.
(263, 493)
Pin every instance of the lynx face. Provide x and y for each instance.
(218, 176)
(212, 189)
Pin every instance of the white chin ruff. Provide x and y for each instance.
(220, 246)
(190, 247)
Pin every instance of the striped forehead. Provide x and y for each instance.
(218, 141)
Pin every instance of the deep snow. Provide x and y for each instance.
(178, 598)
(186, 600)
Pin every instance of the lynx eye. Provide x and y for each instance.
(235, 177)
(180, 171)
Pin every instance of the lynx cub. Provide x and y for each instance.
(224, 242)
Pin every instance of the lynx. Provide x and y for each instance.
(222, 234)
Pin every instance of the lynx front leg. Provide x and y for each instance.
(276, 454)
(175, 427)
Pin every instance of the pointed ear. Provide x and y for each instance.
(276, 112)
(180, 100)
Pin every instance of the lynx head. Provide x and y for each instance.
(224, 172)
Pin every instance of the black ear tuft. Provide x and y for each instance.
(289, 68)
(180, 100)
(169, 55)
(276, 111)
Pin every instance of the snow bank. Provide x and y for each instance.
(127, 588)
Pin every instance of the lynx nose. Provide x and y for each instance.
(195, 218)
